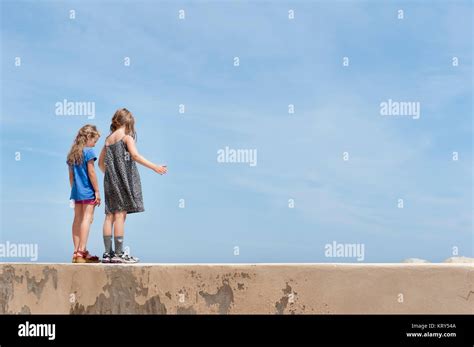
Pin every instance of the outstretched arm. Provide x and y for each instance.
(132, 148)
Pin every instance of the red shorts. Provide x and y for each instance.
(85, 202)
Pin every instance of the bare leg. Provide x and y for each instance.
(76, 225)
(85, 226)
(119, 223)
(108, 224)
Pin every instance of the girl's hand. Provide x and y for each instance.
(97, 199)
(161, 169)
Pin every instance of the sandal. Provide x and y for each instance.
(85, 257)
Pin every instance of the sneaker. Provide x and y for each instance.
(107, 258)
(116, 259)
(126, 258)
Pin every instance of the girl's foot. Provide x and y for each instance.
(74, 256)
(86, 257)
(107, 257)
(91, 258)
(124, 258)
(116, 259)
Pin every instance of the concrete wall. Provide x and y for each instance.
(236, 288)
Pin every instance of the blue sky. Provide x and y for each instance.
(282, 62)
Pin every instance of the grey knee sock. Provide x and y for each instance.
(118, 240)
(108, 243)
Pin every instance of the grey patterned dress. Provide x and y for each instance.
(122, 186)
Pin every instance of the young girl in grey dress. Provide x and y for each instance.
(122, 186)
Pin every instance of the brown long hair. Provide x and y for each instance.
(124, 117)
(87, 132)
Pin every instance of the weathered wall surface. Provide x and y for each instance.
(236, 288)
